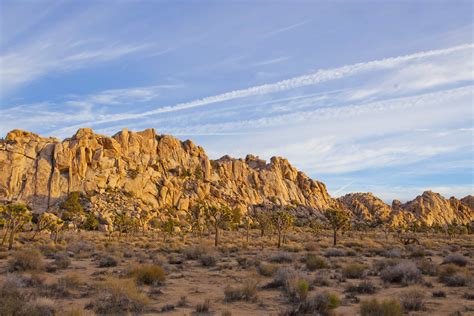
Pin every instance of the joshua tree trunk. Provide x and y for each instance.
(11, 239)
(247, 234)
(5, 236)
(216, 237)
(279, 239)
(334, 237)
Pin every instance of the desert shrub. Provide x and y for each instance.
(453, 275)
(70, 281)
(322, 304)
(296, 289)
(118, 296)
(383, 308)
(281, 257)
(457, 259)
(412, 300)
(266, 269)
(108, 261)
(204, 307)
(439, 294)
(80, 248)
(208, 260)
(335, 252)
(393, 253)
(311, 246)
(314, 262)
(149, 274)
(61, 260)
(405, 273)
(246, 292)
(282, 277)
(427, 267)
(11, 296)
(364, 287)
(417, 252)
(26, 260)
(322, 279)
(380, 265)
(39, 307)
(354, 271)
(196, 251)
(468, 296)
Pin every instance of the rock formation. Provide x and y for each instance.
(158, 170)
(152, 172)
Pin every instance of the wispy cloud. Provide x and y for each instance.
(286, 28)
(270, 61)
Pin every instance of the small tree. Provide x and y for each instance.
(49, 222)
(338, 219)
(124, 223)
(15, 217)
(91, 222)
(219, 217)
(195, 216)
(282, 221)
(261, 217)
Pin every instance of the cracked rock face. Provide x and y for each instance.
(159, 170)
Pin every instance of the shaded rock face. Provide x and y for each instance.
(159, 170)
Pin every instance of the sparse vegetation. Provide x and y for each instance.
(314, 262)
(380, 308)
(149, 274)
(404, 272)
(246, 292)
(26, 260)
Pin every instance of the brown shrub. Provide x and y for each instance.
(383, 308)
(149, 274)
(26, 260)
(246, 292)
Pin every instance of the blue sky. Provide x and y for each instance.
(363, 95)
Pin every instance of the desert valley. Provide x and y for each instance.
(142, 223)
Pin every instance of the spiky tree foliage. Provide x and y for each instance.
(15, 216)
(316, 226)
(91, 222)
(124, 223)
(71, 207)
(282, 222)
(261, 216)
(195, 216)
(49, 222)
(220, 217)
(338, 220)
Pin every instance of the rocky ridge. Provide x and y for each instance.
(160, 171)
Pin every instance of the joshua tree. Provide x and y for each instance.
(282, 221)
(49, 222)
(219, 217)
(260, 215)
(15, 217)
(338, 219)
(195, 216)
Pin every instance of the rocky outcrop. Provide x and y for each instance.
(158, 170)
(428, 209)
(143, 171)
(366, 207)
(431, 208)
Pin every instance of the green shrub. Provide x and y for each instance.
(314, 262)
(354, 271)
(149, 274)
(383, 308)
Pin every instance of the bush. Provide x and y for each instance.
(321, 304)
(11, 296)
(427, 267)
(405, 273)
(393, 253)
(107, 261)
(354, 271)
(457, 259)
(335, 252)
(453, 275)
(413, 300)
(296, 289)
(283, 277)
(26, 260)
(39, 307)
(383, 308)
(246, 292)
(203, 307)
(364, 287)
(208, 260)
(266, 269)
(119, 296)
(281, 257)
(439, 294)
(196, 251)
(62, 261)
(322, 279)
(314, 262)
(149, 274)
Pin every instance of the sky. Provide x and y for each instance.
(365, 96)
